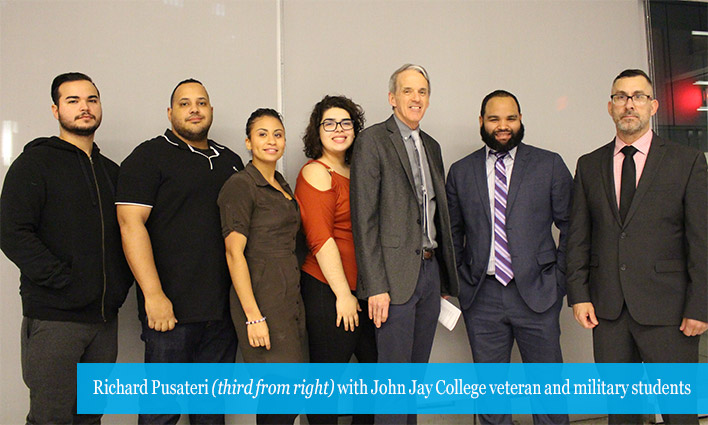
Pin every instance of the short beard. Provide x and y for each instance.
(191, 135)
(629, 128)
(494, 145)
(79, 131)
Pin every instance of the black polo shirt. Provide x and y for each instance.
(181, 184)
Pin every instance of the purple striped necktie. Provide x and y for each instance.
(502, 258)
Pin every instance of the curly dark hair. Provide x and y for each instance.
(311, 139)
(261, 112)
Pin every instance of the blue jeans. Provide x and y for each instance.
(201, 342)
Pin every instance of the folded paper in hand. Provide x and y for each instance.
(449, 314)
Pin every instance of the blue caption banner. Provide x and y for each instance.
(347, 388)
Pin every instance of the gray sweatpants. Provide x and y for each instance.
(50, 352)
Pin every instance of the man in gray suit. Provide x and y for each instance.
(637, 241)
(504, 199)
(401, 224)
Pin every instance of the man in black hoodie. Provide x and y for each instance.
(58, 225)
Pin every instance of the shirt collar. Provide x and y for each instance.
(404, 129)
(173, 139)
(642, 144)
(512, 152)
(252, 171)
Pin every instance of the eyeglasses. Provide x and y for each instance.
(637, 99)
(330, 125)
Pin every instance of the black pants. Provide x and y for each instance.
(623, 340)
(331, 344)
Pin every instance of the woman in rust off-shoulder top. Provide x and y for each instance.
(337, 322)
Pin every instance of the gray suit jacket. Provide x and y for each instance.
(539, 196)
(386, 216)
(656, 260)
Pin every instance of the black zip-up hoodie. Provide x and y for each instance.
(58, 225)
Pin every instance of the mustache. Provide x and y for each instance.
(490, 139)
(85, 114)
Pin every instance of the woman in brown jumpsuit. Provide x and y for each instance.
(259, 220)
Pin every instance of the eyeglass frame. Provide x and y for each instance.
(633, 97)
(337, 124)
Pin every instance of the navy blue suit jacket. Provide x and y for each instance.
(540, 192)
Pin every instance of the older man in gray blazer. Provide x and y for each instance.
(401, 224)
(504, 199)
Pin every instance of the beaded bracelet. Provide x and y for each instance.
(253, 322)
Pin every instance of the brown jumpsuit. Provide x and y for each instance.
(251, 206)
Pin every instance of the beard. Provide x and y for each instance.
(79, 130)
(491, 141)
(632, 127)
(190, 133)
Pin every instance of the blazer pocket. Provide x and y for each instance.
(390, 241)
(668, 266)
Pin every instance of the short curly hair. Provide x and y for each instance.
(311, 139)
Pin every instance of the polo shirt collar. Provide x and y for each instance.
(174, 140)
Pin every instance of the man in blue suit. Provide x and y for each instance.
(503, 200)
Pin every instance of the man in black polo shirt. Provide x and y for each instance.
(169, 220)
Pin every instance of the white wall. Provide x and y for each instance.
(558, 57)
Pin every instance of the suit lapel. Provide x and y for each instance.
(651, 169)
(397, 142)
(517, 175)
(479, 171)
(608, 179)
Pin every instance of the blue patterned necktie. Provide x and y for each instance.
(502, 258)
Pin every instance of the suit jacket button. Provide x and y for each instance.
(417, 252)
(418, 221)
(623, 267)
(623, 235)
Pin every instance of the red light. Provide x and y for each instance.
(687, 99)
